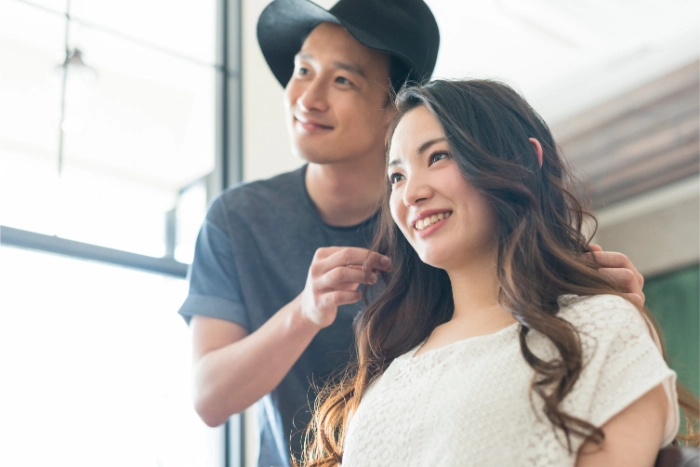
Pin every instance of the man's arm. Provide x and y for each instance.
(233, 369)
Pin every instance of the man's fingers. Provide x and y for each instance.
(341, 276)
(348, 286)
(636, 299)
(595, 247)
(614, 260)
(339, 297)
(624, 279)
(358, 257)
(619, 270)
(611, 259)
(375, 261)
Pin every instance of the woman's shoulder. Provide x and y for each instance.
(622, 359)
(599, 312)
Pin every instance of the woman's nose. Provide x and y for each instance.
(416, 190)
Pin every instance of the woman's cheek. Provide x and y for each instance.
(394, 208)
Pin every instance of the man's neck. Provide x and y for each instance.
(346, 193)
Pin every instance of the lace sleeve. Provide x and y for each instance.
(621, 361)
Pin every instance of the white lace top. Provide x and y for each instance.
(468, 403)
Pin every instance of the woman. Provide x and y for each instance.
(495, 341)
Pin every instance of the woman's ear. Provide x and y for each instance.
(537, 147)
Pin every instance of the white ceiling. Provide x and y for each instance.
(562, 55)
(565, 55)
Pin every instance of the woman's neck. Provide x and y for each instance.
(475, 293)
(477, 311)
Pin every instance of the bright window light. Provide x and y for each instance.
(95, 367)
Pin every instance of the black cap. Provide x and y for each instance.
(404, 29)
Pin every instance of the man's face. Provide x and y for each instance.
(336, 98)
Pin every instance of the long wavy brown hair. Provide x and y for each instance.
(541, 256)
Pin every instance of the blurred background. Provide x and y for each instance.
(121, 121)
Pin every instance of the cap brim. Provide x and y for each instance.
(282, 27)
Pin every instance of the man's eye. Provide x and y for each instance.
(302, 70)
(436, 156)
(395, 177)
(342, 80)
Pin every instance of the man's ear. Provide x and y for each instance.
(389, 100)
(389, 110)
(537, 147)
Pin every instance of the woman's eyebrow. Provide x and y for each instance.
(395, 162)
(423, 147)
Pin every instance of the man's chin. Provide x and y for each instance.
(317, 156)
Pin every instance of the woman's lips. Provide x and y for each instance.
(430, 230)
(428, 218)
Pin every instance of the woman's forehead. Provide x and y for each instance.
(416, 124)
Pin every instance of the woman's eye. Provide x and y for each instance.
(395, 177)
(438, 156)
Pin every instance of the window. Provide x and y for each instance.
(99, 151)
(95, 365)
(115, 128)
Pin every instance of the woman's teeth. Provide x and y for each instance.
(428, 221)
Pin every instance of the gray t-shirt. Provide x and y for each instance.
(252, 257)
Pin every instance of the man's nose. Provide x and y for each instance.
(314, 97)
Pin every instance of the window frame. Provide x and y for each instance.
(228, 170)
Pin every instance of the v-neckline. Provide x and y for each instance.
(411, 355)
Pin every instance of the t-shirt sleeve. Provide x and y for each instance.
(215, 290)
(621, 362)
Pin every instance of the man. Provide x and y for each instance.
(277, 268)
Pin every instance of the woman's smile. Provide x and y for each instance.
(427, 222)
(429, 189)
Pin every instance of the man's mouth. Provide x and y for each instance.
(428, 221)
(310, 125)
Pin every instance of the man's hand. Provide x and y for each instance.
(617, 268)
(334, 277)
(228, 358)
